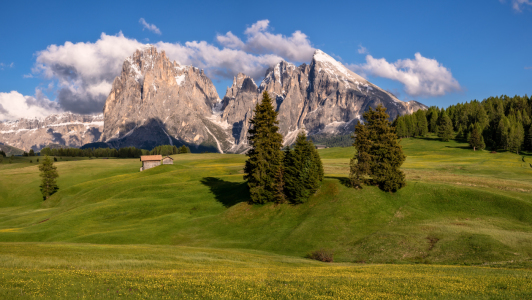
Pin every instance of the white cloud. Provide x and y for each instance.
(2, 65)
(150, 27)
(518, 5)
(85, 71)
(259, 40)
(528, 68)
(420, 76)
(362, 50)
(14, 105)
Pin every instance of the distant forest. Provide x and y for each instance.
(504, 122)
(126, 152)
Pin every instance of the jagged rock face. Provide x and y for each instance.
(155, 101)
(321, 98)
(66, 129)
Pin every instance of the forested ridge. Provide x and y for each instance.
(504, 122)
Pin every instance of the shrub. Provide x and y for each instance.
(321, 255)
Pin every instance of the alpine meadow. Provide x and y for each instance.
(294, 150)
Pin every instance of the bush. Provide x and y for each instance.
(321, 255)
(55, 158)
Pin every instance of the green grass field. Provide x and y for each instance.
(189, 222)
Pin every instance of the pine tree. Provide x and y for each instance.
(379, 154)
(516, 137)
(32, 153)
(265, 158)
(530, 139)
(48, 175)
(476, 140)
(445, 128)
(303, 170)
(422, 124)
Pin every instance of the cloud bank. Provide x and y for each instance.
(420, 76)
(14, 106)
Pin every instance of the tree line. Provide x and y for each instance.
(497, 123)
(125, 152)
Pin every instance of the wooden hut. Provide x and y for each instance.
(168, 160)
(150, 161)
(320, 146)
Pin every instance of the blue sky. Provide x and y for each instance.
(467, 49)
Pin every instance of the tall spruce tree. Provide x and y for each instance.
(476, 141)
(379, 155)
(48, 175)
(445, 127)
(303, 170)
(265, 158)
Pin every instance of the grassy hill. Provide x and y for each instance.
(459, 207)
(186, 231)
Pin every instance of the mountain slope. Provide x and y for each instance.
(155, 101)
(67, 129)
(321, 98)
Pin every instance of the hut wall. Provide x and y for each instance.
(150, 164)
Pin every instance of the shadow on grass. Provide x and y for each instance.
(343, 180)
(226, 192)
(460, 147)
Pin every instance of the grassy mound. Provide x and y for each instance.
(459, 207)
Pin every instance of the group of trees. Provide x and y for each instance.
(497, 123)
(379, 155)
(169, 150)
(125, 152)
(274, 175)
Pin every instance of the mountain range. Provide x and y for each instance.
(155, 101)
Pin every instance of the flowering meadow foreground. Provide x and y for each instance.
(460, 229)
(72, 271)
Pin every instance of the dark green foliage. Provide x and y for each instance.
(183, 149)
(476, 141)
(55, 158)
(445, 128)
(265, 158)
(25, 154)
(303, 170)
(2, 153)
(502, 121)
(412, 125)
(32, 153)
(529, 139)
(48, 175)
(165, 150)
(379, 155)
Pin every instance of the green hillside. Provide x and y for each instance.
(459, 207)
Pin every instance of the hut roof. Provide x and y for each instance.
(168, 156)
(151, 157)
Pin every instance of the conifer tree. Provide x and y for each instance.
(265, 158)
(475, 139)
(516, 137)
(379, 154)
(445, 128)
(422, 124)
(48, 175)
(530, 139)
(303, 170)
